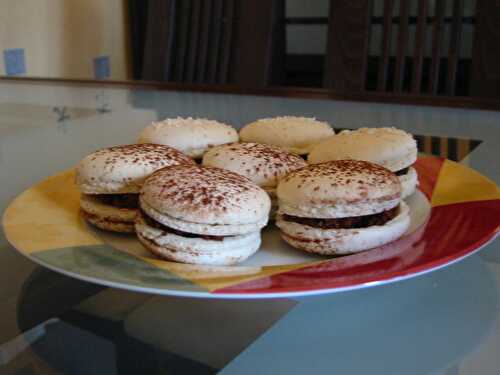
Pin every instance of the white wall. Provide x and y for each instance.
(61, 38)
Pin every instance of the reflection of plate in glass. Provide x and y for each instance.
(456, 212)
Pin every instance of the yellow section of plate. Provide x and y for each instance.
(217, 277)
(457, 184)
(46, 216)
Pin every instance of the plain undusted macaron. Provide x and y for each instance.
(263, 164)
(294, 134)
(341, 207)
(392, 148)
(110, 180)
(192, 136)
(201, 215)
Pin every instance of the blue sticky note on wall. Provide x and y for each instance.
(14, 62)
(101, 67)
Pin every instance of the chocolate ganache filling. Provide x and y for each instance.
(346, 222)
(89, 216)
(119, 200)
(402, 171)
(155, 224)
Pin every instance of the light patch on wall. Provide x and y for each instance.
(14, 61)
(102, 68)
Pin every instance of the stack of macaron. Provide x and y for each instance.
(263, 164)
(206, 215)
(110, 181)
(294, 134)
(341, 207)
(347, 199)
(192, 136)
(392, 148)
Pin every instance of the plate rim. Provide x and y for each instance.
(424, 269)
(225, 292)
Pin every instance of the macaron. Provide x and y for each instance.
(392, 148)
(110, 180)
(263, 164)
(201, 215)
(192, 136)
(341, 207)
(294, 134)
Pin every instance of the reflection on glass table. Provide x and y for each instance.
(420, 324)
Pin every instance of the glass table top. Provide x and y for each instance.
(445, 322)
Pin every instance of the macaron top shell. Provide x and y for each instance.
(205, 195)
(193, 136)
(392, 148)
(263, 164)
(341, 188)
(293, 134)
(123, 169)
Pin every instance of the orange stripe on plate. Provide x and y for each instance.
(428, 169)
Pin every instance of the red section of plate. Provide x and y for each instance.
(428, 169)
(468, 226)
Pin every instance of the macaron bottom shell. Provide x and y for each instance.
(229, 250)
(107, 224)
(107, 217)
(344, 241)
